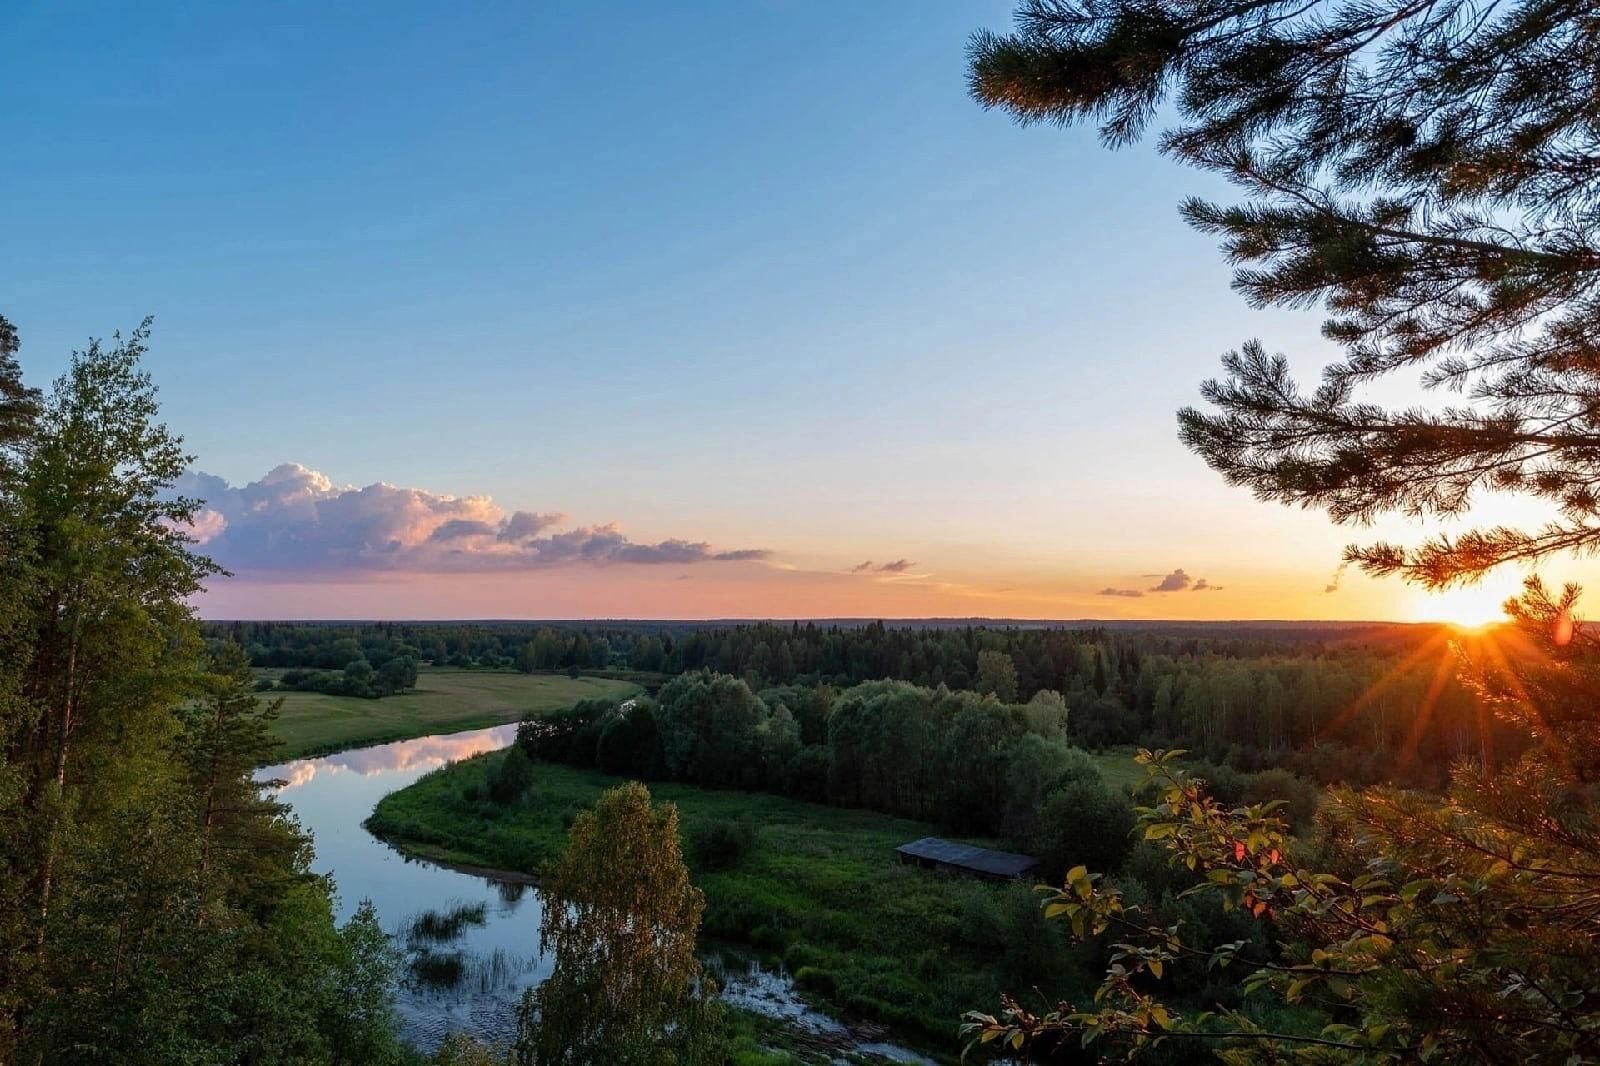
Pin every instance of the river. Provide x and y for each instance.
(471, 940)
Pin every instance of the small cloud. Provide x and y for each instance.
(1205, 586)
(742, 555)
(1332, 586)
(1132, 593)
(899, 566)
(1176, 581)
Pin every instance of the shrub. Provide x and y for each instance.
(1299, 795)
(512, 777)
(721, 844)
(1083, 823)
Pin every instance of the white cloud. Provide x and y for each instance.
(295, 519)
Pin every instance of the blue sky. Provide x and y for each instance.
(759, 275)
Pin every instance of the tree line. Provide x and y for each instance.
(1331, 704)
(967, 762)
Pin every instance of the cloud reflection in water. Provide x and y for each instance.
(423, 753)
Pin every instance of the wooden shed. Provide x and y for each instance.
(949, 856)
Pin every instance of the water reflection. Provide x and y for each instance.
(421, 754)
(470, 980)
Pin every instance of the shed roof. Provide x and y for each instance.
(948, 852)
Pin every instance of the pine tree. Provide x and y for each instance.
(157, 907)
(1430, 172)
(19, 405)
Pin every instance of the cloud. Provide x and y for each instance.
(295, 519)
(899, 566)
(1176, 581)
(1332, 586)
(1131, 593)
(1203, 585)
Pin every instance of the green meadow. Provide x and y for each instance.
(444, 701)
(818, 888)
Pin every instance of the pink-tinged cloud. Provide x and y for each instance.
(1176, 581)
(295, 520)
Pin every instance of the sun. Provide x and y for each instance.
(1470, 607)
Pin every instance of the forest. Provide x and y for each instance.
(1331, 703)
(1376, 846)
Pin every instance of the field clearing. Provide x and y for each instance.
(444, 701)
(1118, 769)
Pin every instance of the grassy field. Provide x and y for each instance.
(443, 701)
(1118, 769)
(820, 889)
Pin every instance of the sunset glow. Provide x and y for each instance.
(1468, 606)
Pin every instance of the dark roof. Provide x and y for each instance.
(948, 852)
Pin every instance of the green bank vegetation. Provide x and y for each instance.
(444, 701)
(817, 887)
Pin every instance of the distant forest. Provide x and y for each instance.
(1332, 703)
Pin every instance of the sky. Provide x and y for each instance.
(507, 310)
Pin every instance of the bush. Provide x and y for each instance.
(721, 844)
(1299, 795)
(512, 777)
(1083, 823)
(1223, 783)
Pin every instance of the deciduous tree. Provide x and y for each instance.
(620, 920)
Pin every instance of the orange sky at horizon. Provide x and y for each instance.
(758, 590)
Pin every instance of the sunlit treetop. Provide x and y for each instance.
(1427, 172)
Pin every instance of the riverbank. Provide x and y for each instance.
(468, 934)
(444, 701)
(819, 890)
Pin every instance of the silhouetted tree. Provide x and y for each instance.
(1427, 171)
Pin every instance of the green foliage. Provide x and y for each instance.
(1084, 822)
(620, 919)
(630, 743)
(357, 1003)
(710, 726)
(512, 777)
(721, 844)
(997, 675)
(1333, 703)
(1422, 170)
(358, 679)
(1445, 926)
(159, 907)
(820, 887)
(458, 1049)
